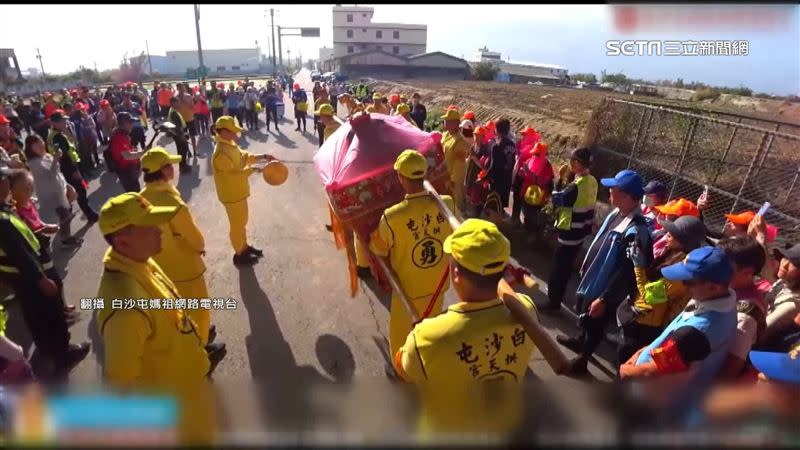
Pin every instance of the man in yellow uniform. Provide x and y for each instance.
(147, 347)
(186, 110)
(476, 345)
(404, 110)
(377, 105)
(232, 166)
(411, 234)
(325, 113)
(182, 243)
(456, 151)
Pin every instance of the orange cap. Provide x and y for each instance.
(469, 115)
(394, 98)
(679, 207)
(539, 149)
(742, 218)
(479, 130)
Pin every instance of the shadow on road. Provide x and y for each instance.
(62, 254)
(285, 390)
(187, 182)
(284, 141)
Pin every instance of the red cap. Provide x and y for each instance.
(479, 130)
(529, 130)
(220, 85)
(469, 115)
(395, 98)
(539, 149)
(104, 103)
(4, 120)
(452, 107)
(490, 125)
(742, 218)
(239, 83)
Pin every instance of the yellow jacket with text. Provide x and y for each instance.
(182, 242)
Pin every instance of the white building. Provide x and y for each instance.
(522, 71)
(218, 62)
(354, 32)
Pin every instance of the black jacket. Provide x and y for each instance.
(19, 253)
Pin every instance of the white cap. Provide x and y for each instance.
(467, 124)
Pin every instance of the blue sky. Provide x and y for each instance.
(572, 36)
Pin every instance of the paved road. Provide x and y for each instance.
(295, 318)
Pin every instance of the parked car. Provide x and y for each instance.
(316, 75)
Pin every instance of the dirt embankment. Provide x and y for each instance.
(561, 114)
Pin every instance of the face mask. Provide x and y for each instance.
(648, 201)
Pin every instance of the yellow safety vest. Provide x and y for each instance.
(72, 152)
(584, 203)
(26, 233)
(183, 122)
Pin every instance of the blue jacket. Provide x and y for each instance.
(607, 272)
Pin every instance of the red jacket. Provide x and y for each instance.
(120, 142)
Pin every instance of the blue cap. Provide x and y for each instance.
(705, 263)
(777, 366)
(628, 181)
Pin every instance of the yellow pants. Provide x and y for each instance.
(362, 256)
(400, 322)
(237, 217)
(202, 317)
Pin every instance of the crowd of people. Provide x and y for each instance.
(696, 306)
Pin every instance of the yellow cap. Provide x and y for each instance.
(227, 123)
(403, 108)
(452, 114)
(376, 96)
(324, 109)
(411, 164)
(156, 158)
(479, 246)
(131, 208)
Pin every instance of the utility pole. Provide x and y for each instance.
(280, 51)
(288, 57)
(272, 26)
(39, 57)
(149, 63)
(199, 45)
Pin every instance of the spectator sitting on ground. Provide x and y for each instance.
(680, 365)
(658, 300)
(783, 301)
(748, 260)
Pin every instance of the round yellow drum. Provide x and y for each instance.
(275, 173)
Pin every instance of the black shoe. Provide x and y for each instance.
(390, 373)
(551, 309)
(297, 129)
(92, 218)
(574, 344)
(212, 334)
(75, 354)
(72, 241)
(254, 251)
(244, 259)
(329, 228)
(364, 273)
(578, 366)
(216, 353)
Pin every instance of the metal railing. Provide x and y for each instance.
(743, 164)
